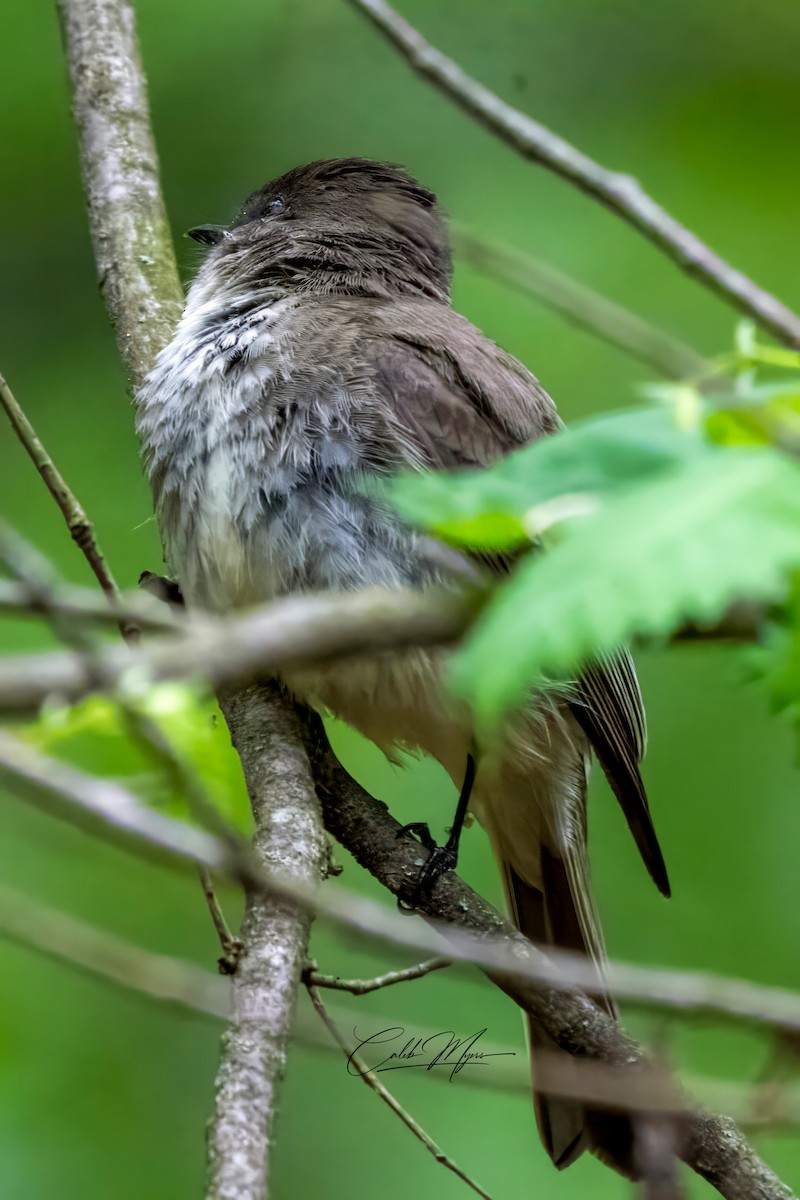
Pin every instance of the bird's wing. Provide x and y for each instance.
(607, 704)
(463, 402)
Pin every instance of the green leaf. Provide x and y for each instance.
(777, 660)
(490, 509)
(767, 414)
(669, 549)
(93, 731)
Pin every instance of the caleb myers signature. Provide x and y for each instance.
(441, 1049)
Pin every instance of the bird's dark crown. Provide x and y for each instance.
(342, 225)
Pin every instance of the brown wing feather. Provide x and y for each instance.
(463, 401)
(607, 704)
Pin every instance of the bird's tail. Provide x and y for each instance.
(561, 913)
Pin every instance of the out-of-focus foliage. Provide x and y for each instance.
(186, 717)
(103, 1094)
(778, 661)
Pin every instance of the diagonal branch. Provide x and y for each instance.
(105, 809)
(78, 523)
(585, 308)
(621, 193)
(371, 1080)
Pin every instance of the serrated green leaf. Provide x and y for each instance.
(487, 509)
(669, 549)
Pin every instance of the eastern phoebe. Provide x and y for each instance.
(318, 348)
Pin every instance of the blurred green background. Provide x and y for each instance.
(104, 1094)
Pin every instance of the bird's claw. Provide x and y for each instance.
(440, 860)
(422, 831)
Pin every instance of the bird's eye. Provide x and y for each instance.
(276, 206)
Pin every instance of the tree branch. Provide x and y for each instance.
(248, 647)
(621, 193)
(87, 606)
(288, 633)
(289, 836)
(139, 281)
(362, 987)
(128, 221)
(156, 977)
(103, 808)
(107, 810)
(581, 305)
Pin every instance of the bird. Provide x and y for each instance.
(318, 355)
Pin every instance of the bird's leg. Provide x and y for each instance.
(441, 858)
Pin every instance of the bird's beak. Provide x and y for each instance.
(209, 235)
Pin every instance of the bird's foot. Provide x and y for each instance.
(440, 860)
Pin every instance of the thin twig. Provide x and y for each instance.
(621, 193)
(78, 523)
(372, 1081)
(90, 607)
(581, 305)
(232, 946)
(181, 775)
(361, 987)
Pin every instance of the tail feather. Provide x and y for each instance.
(534, 810)
(562, 914)
(560, 1122)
